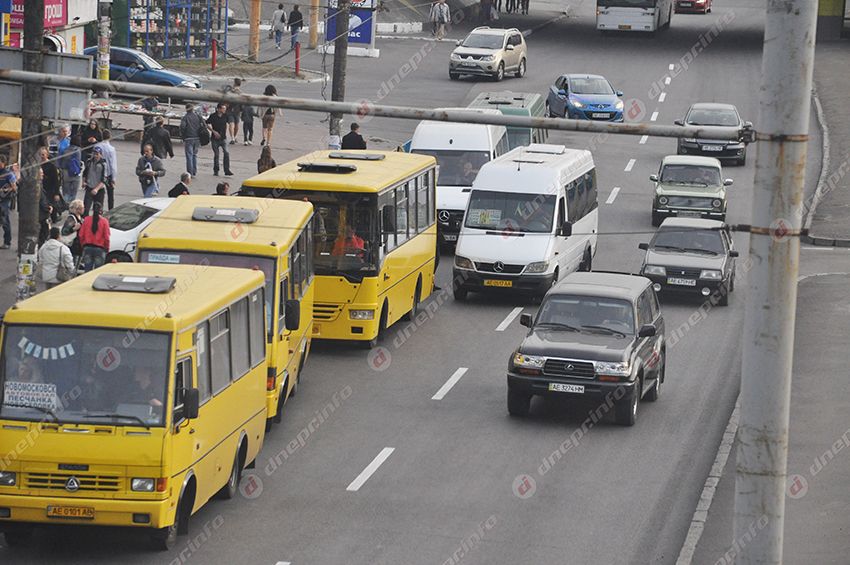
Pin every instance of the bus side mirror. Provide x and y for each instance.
(566, 229)
(191, 403)
(292, 315)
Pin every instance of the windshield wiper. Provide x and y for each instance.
(696, 250)
(672, 247)
(557, 325)
(41, 409)
(124, 416)
(605, 329)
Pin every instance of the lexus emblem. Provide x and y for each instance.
(72, 484)
(444, 216)
(570, 367)
(498, 266)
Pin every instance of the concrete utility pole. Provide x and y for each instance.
(103, 39)
(254, 31)
(29, 189)
(783, 126)
(340, 62)
(314, 24)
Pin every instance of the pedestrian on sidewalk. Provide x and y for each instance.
(248, 115)
(71, 164)
(149, 168)
(190, 130)
(269, 116)
(265, 162)
(8, 188)
(159, 138)
(91, 136)
(234, 111)
(63, 139)
(278, 24)
(222, 189)
(111, 159)
(524, 6)
(217, 123)
(440, 16)
(296, 22)
(51, 204)
(150, 104)
(182, 187)
(71, 226)
(55, 262)
(353, 139)
(94, 239)
(95, 183)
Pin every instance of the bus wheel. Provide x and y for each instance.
(417, 296)
(18, 535)
(228, 491)
(382, 325)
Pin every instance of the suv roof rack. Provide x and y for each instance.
(240, 215)
(127, 283)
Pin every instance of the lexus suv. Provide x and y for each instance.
(691, 187)
(490, 52)
(596, 335)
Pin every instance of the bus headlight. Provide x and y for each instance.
(8, 479)
(539, 267)
(710, 274)
(361, 314)
(463, 263)
(142, 485)
(655, 270)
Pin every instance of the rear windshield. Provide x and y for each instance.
(127, 216)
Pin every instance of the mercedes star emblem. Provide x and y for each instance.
(72, 484)
(498, 266)
(444, 216)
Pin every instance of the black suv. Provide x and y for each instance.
(596, 334)
(690, 255)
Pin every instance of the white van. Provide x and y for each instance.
(461, 150)
(532, 218)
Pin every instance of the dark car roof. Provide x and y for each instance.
(612, 285)
(692, 223)
(712, 106)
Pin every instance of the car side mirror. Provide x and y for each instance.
(459, 42)
(734, 253)
(647, 330)
(653, 178)
(292, 315)
(620, 93)
(562, 92)
(748, 124)
(566, 229)
(644, 246)
(679, 122)
(191, 403)
(509, 47)
(525, 320)
(728, 182)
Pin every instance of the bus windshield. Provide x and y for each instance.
(457, 167)
(84, 375)
(529, 213)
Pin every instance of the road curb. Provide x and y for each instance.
(321, 77)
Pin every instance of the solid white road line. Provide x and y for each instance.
(282, 563)
(510, 318)
(613, 195)
(370, 469)
(662, 97)
(653, 117)
(668, 80)
(630, 165)
(643, 139)
(444, 390)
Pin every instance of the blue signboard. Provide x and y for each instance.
(360, 26)
(6, 6)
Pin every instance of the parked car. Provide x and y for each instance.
(584, 97)
(490, 52)
(691, 187)
(596, 335)
(693, 6)
(126, 223)
(690, 255)
(714, 114)
(133, 65)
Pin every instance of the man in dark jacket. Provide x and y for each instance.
(353, 139)
(159, 138)
(182, 187)
(95, 180)
(296, 22)
(190, 125)
(218, 128)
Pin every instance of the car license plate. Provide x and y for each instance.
(687, 214)
(712, 148)
(560, 387)
(604, 115)
(450, 237)
(624, 27)
(494, 282)
(681, 282)
(78, 512)
(684, 4)
(469, 64)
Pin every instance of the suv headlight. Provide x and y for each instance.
(538, 267)
(710, 274)
(463, 263)
(529, 361)
(619, 105)
(616, 369)
(361, 314)
(717, 203)
(655, 270)
(142, 485)
(8, 479)
(456, 57)
(488, 58)
(690, 140)
(576, 103)
(663, 200)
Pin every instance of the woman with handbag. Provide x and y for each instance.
(71, 224)
(55, 264)
(94, 239)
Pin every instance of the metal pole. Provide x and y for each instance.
(789, 41)
(103, 40)
(314, 24)
(340, 62)
(254, 31)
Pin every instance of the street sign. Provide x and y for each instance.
(361, 26)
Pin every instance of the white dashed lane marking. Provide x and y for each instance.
(613, 195)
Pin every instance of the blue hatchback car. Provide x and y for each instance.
(584, 97)
(137, 66)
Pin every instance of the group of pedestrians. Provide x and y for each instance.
(440, 15)
(280, 22)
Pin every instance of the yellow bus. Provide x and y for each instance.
(374, 235)
(272, 236)
(131, 396)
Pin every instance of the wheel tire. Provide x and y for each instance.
(656, 220)
(454, 76)
(414, 309)
(460, 293)
(295, 383)
(118, 257)
(382, 325)
(520, 72)
(519, 404)
(655, 393)
(586, 261)
(278, 415)
(500, 72)
(164, 539)
(230, 488)
(625, 411)
(18, 536)
(724, 296)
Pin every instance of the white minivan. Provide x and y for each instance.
(532, 218)
(461, 150)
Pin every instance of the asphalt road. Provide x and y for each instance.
(446, 492)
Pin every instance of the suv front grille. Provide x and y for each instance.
(57, 481)
(567, 368)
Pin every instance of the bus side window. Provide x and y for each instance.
(401, 202)
(202, 347)
(240, 344)
(304, 261)
(182, 381)
(581, 199)
(592, 194)
(295, 272)
(220, 351)
(285, 294)
(386, 204)
(422, 202)
(258, 327)
(502, 146)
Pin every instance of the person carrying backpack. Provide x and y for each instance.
(278, 24)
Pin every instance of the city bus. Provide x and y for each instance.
(374, 235)
(633, 15)
(131, 396)
(271, 236)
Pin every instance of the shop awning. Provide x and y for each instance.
(10, 127)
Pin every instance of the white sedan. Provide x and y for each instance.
(126, 222)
